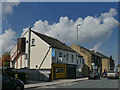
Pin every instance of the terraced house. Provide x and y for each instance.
(38, 51)
(107, 62)
(92, 62)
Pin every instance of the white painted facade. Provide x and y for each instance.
(67, 57)
(38, 52)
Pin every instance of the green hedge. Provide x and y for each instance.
(18, 75)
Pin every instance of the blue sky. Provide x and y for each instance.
(26, 14)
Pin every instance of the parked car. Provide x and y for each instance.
(94, 76)
(112, 74)
(11, 83)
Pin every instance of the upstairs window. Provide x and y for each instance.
(72, 57)
(33, 42)
(26, 56)
(67, 57)
(77, 61)
(60, 54)
(80, 60)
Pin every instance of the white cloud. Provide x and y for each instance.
(7, 7)
(24, 31)
(111, 13)
(91, 28)
(7, 40)
(96, 47)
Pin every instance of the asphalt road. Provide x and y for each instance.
(102, 83)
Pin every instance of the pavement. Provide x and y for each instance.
(54, 82)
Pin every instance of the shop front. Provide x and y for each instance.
(63, 71)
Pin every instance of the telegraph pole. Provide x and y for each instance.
(29, 39)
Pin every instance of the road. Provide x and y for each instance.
(103, 83)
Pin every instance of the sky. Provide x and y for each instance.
(98, 23)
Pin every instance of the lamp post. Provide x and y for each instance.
(77, 40)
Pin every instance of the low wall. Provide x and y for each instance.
(38, 75)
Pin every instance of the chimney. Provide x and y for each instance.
(111, 57)
(93, 50)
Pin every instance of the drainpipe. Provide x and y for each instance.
(29, 38)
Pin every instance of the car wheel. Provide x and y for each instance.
(18, 88)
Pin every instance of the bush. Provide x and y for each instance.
(18, 75)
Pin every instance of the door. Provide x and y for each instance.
(54, 73)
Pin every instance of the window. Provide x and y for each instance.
(26, 56)
(83, 61)
(67, 57)
(57, 69)
(72, 57)
(77, 61)
(80, 60)
(33, 42)
(92, 59)
(60, 54)
(60, 69)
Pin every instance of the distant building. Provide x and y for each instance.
(5, 60)
(92, 62)
(46, 53)
(107, 62)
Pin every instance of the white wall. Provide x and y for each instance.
(37, 53)
(64, 57)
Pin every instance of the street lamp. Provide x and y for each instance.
(77, 40)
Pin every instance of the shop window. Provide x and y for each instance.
(60, 69)
(57, 70)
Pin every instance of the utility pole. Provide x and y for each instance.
(29, 39)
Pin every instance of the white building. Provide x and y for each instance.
(44, 51)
